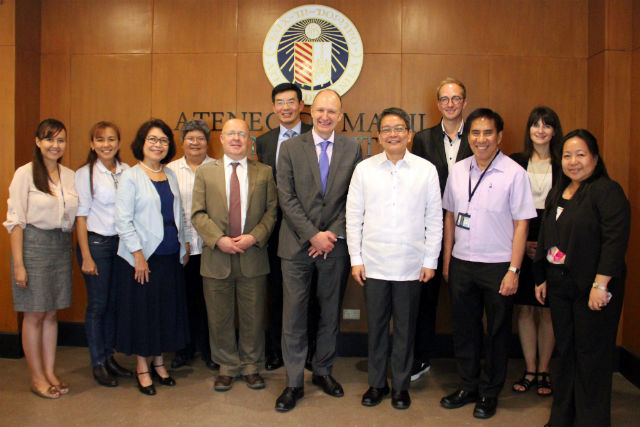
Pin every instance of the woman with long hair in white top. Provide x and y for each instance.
(41, 211)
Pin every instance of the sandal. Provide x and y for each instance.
(50, 393)
(62, 387)
(524, 382)
(544, 383)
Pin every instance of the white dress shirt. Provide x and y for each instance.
(28, 205)
(243, 177)
(451, 147)
(186, 176)
(281, 138)
(394, 217)
(99, 208)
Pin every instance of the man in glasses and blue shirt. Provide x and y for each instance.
(287, 106)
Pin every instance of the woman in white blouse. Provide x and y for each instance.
(541, 159)
(41, 211)
(96, 183)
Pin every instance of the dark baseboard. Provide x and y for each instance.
(72, 334)
(10, 345)
(629, 365)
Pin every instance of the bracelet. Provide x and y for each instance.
(602, 288)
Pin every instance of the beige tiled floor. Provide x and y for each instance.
(193, 402)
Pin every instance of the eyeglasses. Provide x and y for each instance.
(288, 102)
(398, 129)
(195, 139)
(445, 100)
(231, 134)
(153, 140)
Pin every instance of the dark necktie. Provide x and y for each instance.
(323, 163)
(235, 215)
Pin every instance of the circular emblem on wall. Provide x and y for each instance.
(314, 47)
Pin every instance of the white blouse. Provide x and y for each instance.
(28, 205)
(100, 209)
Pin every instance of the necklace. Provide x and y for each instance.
(152, 170)
(538, 185)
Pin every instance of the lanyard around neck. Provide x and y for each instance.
(471, 193)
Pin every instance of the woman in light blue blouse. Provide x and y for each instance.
(96, 183)
(152, 316)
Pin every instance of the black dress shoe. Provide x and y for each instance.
(400, 399)
(485, 407)
(149, 390)
(458, 399)
(212, 365)
(103, 376)
(288, 398)
(163, 380)
(328, 384)
(115, 369)
(374, 395)
(179, 361)
(273, 362)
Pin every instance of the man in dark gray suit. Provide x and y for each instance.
(443, 145)
(287, 106)
(314, 171)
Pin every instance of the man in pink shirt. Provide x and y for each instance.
(488, 205)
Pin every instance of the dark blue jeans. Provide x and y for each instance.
(100, 318)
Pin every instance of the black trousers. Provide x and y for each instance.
(474, 288)
(197, 311)
(386, 298)
(585, 343)
(426, 319)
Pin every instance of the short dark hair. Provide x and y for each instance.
(196, 125)
(550, 118)
(395, 111)
(484, 113)
(284, 87)
(141, 136)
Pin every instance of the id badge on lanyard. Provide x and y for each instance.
(464, 218)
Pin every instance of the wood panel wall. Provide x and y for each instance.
(128, 60)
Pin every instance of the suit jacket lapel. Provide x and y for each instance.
(221, 184)
(338, 147)
(312, 159)
(438, 139)
(252, 172)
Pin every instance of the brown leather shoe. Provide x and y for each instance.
(222, 383)
(254, 381)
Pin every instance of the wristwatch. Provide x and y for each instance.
(514, 269)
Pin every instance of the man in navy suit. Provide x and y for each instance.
(443, 145)
(287, 106)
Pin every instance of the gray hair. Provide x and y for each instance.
(196, 124)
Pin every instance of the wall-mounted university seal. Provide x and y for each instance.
(315, 47)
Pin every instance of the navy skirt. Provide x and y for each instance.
(152, 318)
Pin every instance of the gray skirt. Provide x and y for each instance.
(47, 256)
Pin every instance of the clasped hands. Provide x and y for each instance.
(236, 245)
(322, 243)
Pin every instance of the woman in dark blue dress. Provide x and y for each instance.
(152, 316)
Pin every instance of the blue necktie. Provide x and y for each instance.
(289, 134)
(323, 163)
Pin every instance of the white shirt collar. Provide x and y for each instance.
(102, 168)
(182, 162)
(229, 160)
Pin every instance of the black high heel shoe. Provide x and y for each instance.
(163, 380)
(149, 390)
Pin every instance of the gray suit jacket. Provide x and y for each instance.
(305, 209)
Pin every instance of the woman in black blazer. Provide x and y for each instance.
(580, 266)
(541, 159)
